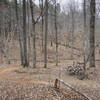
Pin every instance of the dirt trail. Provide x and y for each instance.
(6, 70)
(70, 80)
(11, 69)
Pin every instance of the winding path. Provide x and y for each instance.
(3, 76)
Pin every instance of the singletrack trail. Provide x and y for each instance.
(3, 76)
(8, 69)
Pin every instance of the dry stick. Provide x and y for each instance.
(66, 84)
(49, 77)
(59, 76)
(57, 95)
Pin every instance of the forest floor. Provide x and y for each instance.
(17, 83)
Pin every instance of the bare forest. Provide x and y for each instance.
(49, 50)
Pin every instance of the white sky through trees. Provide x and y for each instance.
(62, 2)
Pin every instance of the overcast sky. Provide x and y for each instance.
(62, 2)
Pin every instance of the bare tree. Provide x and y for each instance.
(92, 33)
(18, 30)
(72, 11)
(42, 13)
(84, 34)
(56, 33)
(34, 34)
(46, 33)
(25, 61)
(28, 31)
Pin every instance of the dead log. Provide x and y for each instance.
(56, 84)
(69, 86)
(58, 97)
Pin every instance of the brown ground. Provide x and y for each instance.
(17, 83)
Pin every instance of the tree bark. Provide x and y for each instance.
(34, 34)
(56, 34)
(73, 28)
(25, 61)
(19, 34)
(46, 33)
(42, 25)
(92, 33)
(84, 35)
(28, 31)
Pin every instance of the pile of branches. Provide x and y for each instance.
(77, 70)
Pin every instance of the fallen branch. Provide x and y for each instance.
(57, 95)
(66, 84)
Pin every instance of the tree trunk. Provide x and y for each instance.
(20, 43)
(46, 33)
(34, 34)
(56, 34)
(73, 28)
(84, 35)
(28, 31)
(92, 33)
(25, 61)
(42, 26)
